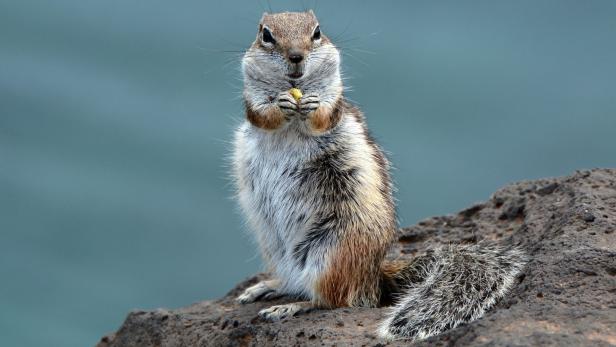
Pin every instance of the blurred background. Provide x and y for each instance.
(116, 119)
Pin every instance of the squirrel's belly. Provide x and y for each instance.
(279, 211)
(282, 221)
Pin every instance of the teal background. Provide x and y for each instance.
(116, 118)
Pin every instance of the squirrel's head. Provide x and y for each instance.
(290, 50)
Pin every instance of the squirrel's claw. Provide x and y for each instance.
(287, 103)
(309, 103)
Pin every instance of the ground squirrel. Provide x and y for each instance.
(316, 191)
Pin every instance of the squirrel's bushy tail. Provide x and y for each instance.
(450, 286)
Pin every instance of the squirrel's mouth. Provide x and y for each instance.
(295, 71)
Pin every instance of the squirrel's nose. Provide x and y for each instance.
(296, 57)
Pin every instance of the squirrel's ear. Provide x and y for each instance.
(311, 12)
(265, 14)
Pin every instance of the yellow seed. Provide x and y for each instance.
(295, 93)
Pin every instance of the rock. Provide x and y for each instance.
(565, 297)
(588, 217)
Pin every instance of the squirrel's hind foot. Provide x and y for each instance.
(279, 312)
(264, 290)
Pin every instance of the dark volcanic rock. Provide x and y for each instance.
(566, 295)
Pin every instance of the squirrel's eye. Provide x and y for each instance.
(267, 36)
(317, 33)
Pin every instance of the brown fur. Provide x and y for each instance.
(325, 118)
(350, 279)
(271, 119)
(390, 268)
(292, 31)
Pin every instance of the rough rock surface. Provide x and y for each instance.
(565, 297)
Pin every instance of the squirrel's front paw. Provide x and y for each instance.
(309, 103)
(286, 103)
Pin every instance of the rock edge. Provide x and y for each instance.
(566, 295)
